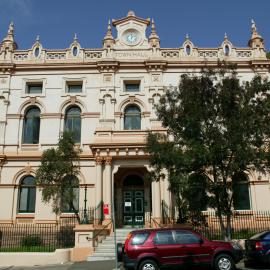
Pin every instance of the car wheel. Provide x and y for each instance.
(224, 262)
(148, 265)
(119, 248)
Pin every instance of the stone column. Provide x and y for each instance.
(156, 202)
(167, 192)
(98, 185)
(108, 185)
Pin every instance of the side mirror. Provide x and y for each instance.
(201, 241)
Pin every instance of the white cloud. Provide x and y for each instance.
(16, 7)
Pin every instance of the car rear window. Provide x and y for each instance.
(139, 238)
(267, 236)
(260, 235)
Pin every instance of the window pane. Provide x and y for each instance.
(241, 196)
(27, 195)
(74, 88)
(23, 200)
(31, 126)
(73, 122)
(164, 238)
(132, 87)
(184, 237)
(31, 200)
(28, 180)
(34, 88)
(139, 238)
(132, 118)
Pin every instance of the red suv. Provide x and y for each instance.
(151, 249)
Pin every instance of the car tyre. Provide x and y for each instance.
(224, 262)
(148, 265)
(119, 248)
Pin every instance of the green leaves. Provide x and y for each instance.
(217, 126)
(57, 174)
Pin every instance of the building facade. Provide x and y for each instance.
(106, 96)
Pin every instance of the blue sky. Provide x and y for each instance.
(205, 21)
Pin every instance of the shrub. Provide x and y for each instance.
(31, 241)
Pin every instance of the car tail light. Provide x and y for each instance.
(126, 242)
(129, 236)
(258, 246)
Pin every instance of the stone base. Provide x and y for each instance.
(79, 254)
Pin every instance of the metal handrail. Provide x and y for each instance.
(158, 224)
(100, 231)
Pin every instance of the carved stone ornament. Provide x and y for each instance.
(99, 160)
(108, 160)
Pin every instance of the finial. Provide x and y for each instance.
(131, 13)
(109, 25)
(11, 28)
(187, 36)
(108, 39)
(153, 26)
(225, 36)
(75, 37)
(37, 38)
(253, 26)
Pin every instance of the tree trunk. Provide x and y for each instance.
(222, 225)
(75, 212)
(228, 236)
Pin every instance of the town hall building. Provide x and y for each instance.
(106, 96)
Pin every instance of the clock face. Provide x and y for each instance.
(131, 37)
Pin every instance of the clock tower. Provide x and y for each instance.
(131, 32)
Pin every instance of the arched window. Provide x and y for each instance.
(73, 122)
(31, 126)
(27, 195)
(132, 118)
(188, 50)
(71, 195)
(227, 50)
(241, 199)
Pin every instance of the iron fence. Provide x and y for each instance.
(36, 237)
(24, 236)
(243, 223)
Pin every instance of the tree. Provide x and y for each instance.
(216, 128)
(57, 174)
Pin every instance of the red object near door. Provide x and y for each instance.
(106, 209)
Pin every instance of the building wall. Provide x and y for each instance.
(102, 101)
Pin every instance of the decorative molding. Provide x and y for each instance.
(99, 160)
(108, 160)
(3, 159)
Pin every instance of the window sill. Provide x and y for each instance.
(25, 215)
(28, 95)
(123, 93)
(73, 95)
(29, 147)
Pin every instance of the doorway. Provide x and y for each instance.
(133, 201)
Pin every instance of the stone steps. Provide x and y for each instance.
(106, 249)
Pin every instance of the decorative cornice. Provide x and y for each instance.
(108, 160)
(98, 160)
(156, 64)
(3, 159)
(108, 66)
(131, 16)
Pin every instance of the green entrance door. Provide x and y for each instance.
(133, 207)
